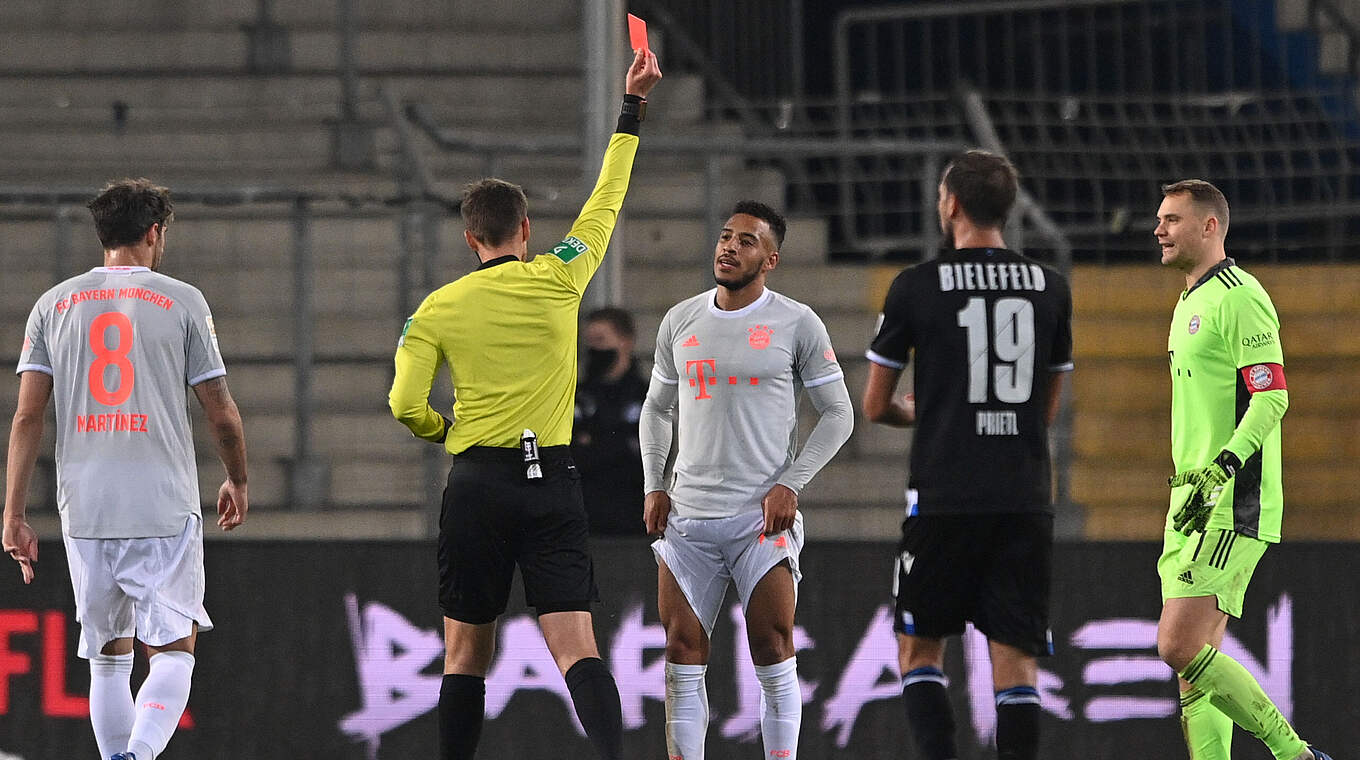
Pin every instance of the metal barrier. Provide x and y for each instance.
(722, 39)
(1099, 102)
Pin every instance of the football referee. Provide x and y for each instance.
(508, 333)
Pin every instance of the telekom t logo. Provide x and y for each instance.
(694, 370)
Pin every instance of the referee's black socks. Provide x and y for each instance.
(462, 703)
(928, 713)
(596, 698)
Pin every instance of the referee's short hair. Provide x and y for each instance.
(493, 209)
(619, 319)
(125, 209)
(771, 217)
(985, 185)
(1205, 196)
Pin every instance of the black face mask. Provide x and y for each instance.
(599, 361)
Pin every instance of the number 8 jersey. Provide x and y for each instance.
(122, 345)
(988, 327)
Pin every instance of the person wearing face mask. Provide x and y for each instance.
(605, 444)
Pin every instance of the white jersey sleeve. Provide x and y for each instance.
(817, 364)
(204, 358)
(34, 357)
(663, 367)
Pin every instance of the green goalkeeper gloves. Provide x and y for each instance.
(1206, 486)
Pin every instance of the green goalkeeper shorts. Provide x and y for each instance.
(1216, 563)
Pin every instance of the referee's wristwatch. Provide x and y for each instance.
(635, 106)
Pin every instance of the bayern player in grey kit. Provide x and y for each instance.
(736, 359)
(118, 346)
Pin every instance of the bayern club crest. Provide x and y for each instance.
(1260, 377)
(760, 336)
(1194, 324)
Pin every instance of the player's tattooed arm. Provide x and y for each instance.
(225, 419)
(228, 433)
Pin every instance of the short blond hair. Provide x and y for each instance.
(1204, 195)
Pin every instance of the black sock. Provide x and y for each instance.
(462, 703)
(929, 714)
(596, 698)
(1017, 724)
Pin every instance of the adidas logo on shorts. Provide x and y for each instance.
(1185, 577)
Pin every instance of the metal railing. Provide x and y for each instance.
(1327, 14)
(722, 39)
(1099, 102)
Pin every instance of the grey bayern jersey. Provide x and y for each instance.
(738, 375)
(122, 345)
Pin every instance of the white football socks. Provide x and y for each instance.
(781, 708)
(111, 711)
(160, 703)
(686, 711)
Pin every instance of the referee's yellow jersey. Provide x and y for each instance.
(508, 333)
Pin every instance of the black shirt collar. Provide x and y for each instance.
(986, 251)
(1219, 267)
(497, 261)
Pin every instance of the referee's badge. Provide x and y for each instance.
(1194, 324)
(401, 341)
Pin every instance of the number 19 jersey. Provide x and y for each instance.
(987, 327)
(122, 345)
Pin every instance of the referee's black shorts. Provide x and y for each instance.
(494, 518)
(994, 570)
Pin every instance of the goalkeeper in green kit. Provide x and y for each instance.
(1228, 395)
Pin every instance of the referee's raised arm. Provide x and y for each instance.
(584, 247)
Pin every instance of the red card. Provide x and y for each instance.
(637, 33)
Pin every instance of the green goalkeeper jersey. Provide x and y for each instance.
(1226, 360)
